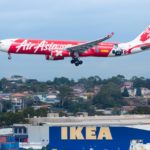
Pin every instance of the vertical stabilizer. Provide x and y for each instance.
(144, 36)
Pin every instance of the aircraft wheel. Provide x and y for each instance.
(77, 64)
(80, 62)
(9, 57)
(72, 61)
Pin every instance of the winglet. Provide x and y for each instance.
(110, 35)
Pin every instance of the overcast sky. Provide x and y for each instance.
(74, 20)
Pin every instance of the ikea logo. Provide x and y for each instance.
(86, 133)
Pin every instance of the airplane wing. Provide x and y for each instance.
(83, 47)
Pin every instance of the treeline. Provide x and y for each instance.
(10, 118)
(109, 95)
(88, 83)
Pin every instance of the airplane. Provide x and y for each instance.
(58, 49)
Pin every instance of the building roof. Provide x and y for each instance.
(93, 120)
(19, 95)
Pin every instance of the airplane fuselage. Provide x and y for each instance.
(54, 49)
(58, 50)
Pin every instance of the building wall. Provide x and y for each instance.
(38, 134)
(98, 137)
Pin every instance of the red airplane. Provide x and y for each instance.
(58, 50)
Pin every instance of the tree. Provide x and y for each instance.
(79, 106)
(119, 79)
(65, 93)
(138, 92)
(1, 86)
(28, 112)
(147, 83)
(90, 82)
(138, 82)
(10, 118)
(141, 110)
(148, 101)
(109, 96)
(4, 84)
(42, 112)
(6, 105)
(125, 93)
(62, 81)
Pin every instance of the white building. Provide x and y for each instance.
(16, 78)
(132, 92)
(38, 136)
(145, 92)
(6, 131)
(138, 145)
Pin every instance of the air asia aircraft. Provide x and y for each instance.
(58, 50)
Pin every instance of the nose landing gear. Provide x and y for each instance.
(9, 56)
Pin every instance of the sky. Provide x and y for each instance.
(81, 20)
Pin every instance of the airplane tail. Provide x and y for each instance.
(144, 36)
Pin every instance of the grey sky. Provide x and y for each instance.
(74, 20)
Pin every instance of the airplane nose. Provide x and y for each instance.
(4, 46)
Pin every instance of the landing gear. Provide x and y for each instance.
(76, 61)
(9, 57)
(73, 61)
(118, 52)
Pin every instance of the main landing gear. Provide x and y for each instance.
(76, 61)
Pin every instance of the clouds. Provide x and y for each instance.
(74, 20)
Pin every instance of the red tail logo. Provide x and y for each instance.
(146, 35)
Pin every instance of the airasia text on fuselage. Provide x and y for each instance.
(42, 46)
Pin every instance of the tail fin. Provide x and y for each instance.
(144, 36)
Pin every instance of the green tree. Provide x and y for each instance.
(63, 81)
(119, 79)
(1, 86)
(79, 106)
(11, 118)
(42, 112)
(28, 112)
(65, 94)
(141, 110)
(147, 83)
(109, 96)
(138, 82)
(90, 82)
(125, 93)
(138, 92)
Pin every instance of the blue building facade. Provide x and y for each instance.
(96, 138)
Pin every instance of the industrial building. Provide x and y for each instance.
(37, 134)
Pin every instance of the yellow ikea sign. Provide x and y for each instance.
(91, 133)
